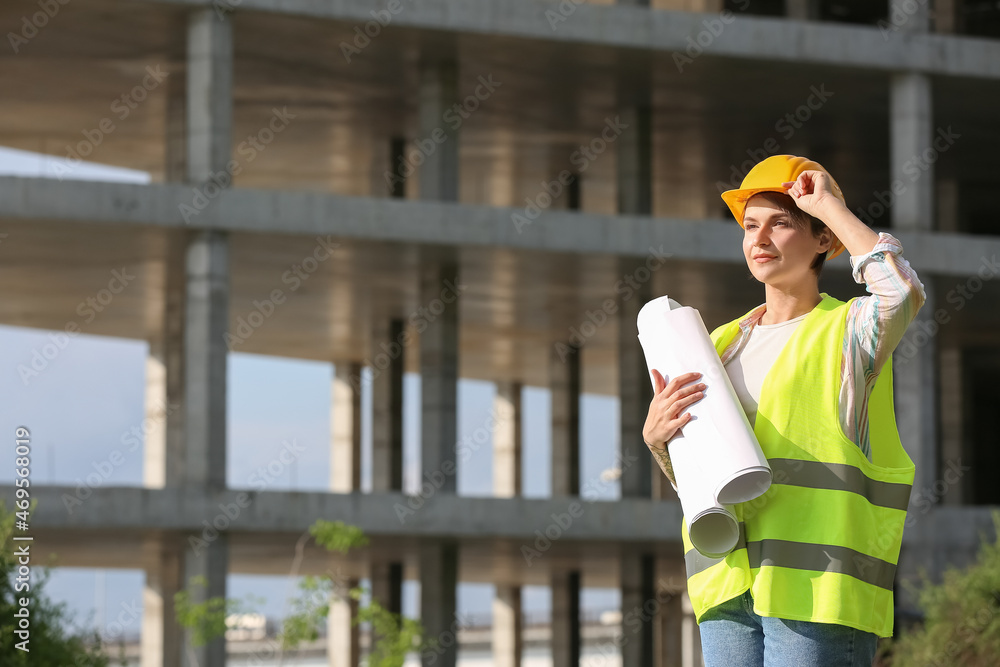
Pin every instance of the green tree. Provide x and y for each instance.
(395, 636)
(51, 642)
(961, 624)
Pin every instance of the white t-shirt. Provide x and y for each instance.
(750, 365)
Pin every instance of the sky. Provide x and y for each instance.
(91, 395)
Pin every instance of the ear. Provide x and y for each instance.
(826, 236)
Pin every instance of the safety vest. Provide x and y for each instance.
(822, 544)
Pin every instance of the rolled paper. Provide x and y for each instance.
(716, 458)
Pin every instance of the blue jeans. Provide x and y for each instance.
(732, 635)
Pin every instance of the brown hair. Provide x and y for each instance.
(799, 219)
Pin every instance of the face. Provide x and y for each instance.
(768, 230)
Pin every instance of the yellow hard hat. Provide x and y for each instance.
(767, 176)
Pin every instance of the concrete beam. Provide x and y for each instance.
(617, 26)
(305, 213)
(443, 515)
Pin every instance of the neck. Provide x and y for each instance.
(785, 304)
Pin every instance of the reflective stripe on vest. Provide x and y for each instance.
(823, 543)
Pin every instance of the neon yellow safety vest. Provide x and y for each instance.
(823, 542)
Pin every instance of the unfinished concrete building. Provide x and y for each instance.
(483, 189)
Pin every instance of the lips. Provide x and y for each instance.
(764, 256)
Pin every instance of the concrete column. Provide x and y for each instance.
(160, 641)
(566, 641)
(205, 356)
(635, 149)
(210, 562)
(209, 98)
(508, 622)
(438, 580)
(387, 585)
(802, 10)
(387, 405)
(690, 636)
(638, 582)
(164, 440)
(945, 16)
(564, 385)
(669, 645)
(634, 388)
(439, 368)
(915, 395)
(175, 113)
(911, 134)
(438, 175)
(954, 411)
(507, 440)
(343, 645)
(947, 205)
(508, 626)
(345, 459)
(911, 17)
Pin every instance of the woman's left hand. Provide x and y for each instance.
(812, 193)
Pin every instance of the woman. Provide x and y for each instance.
(810, 582)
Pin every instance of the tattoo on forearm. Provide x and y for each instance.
(663, 460)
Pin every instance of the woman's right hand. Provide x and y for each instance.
(665, 416)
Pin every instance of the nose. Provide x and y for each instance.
(759, 238)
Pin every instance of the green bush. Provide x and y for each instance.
(961, 624)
